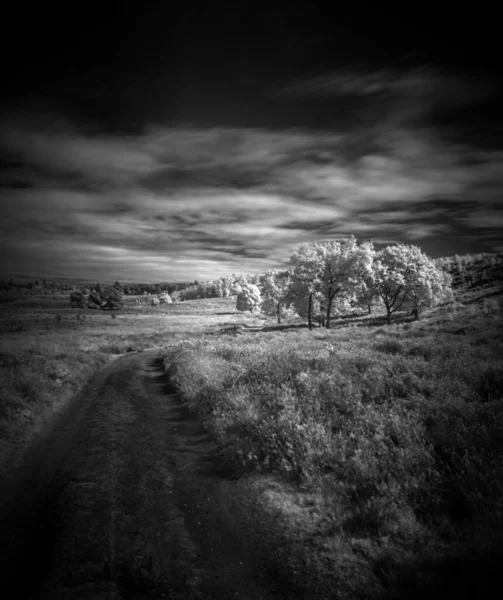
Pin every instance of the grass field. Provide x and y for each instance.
(48, 350)
(374, 450)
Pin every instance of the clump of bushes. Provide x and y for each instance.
(101, 297)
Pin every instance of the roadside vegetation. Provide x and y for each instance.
(376, 449)
(48, 351)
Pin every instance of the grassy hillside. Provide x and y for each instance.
(475, 277)
(376, 450)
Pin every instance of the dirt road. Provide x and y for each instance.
(126, 497)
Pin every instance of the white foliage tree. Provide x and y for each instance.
(227, 283)
(306, 280)
(165, 298)
(274, 287)
(239, 282)
(430, 286)
(367, 297)
(345, 265)
(336, 270)
(249, 298)
(405, 278)
(218, 288)
(307, 304)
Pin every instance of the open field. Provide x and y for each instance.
(49, 350)
(375, 451)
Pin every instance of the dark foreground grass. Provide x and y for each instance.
(377, 451)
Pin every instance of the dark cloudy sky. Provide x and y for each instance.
(178, 143)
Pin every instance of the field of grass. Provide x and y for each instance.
(377, 450)
(48, 351)
(374, 450)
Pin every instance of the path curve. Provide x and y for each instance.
(127, 498)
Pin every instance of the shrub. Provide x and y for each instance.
(102, 297)
(249, 298)
(489, 385)
(77, 299)
(390, 346)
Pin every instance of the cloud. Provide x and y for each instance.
(490, 219)
(186, 202)
(67, 154)
(422, 88)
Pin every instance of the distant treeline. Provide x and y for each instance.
(46, 287)
(136, 289)
(461, 267)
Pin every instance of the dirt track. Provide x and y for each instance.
(126, 497)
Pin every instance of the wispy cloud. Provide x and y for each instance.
(420, 89)
(186, 202)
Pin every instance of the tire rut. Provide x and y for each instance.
(127, 498)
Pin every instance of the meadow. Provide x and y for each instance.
(374, 451)
(49, 350)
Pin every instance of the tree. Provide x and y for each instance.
(239, 282)
(430, 287)
(217, 288)
(274, 287)
(306, 303)
(344, 267)
(165, 298)
(366, 295)
(202, 290)
(226, 285)
(77, 299)
(404, 277)
(248, 298)
(334, 269)
(307, 272)
(105, 298)
(111, 299)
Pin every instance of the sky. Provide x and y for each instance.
(148, 143)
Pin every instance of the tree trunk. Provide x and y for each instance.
(309, 311)
(369, 306)
(388, 314)
(329, 309)
(278, 313)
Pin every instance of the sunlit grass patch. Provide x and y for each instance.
(45, 360)
(395, 427)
